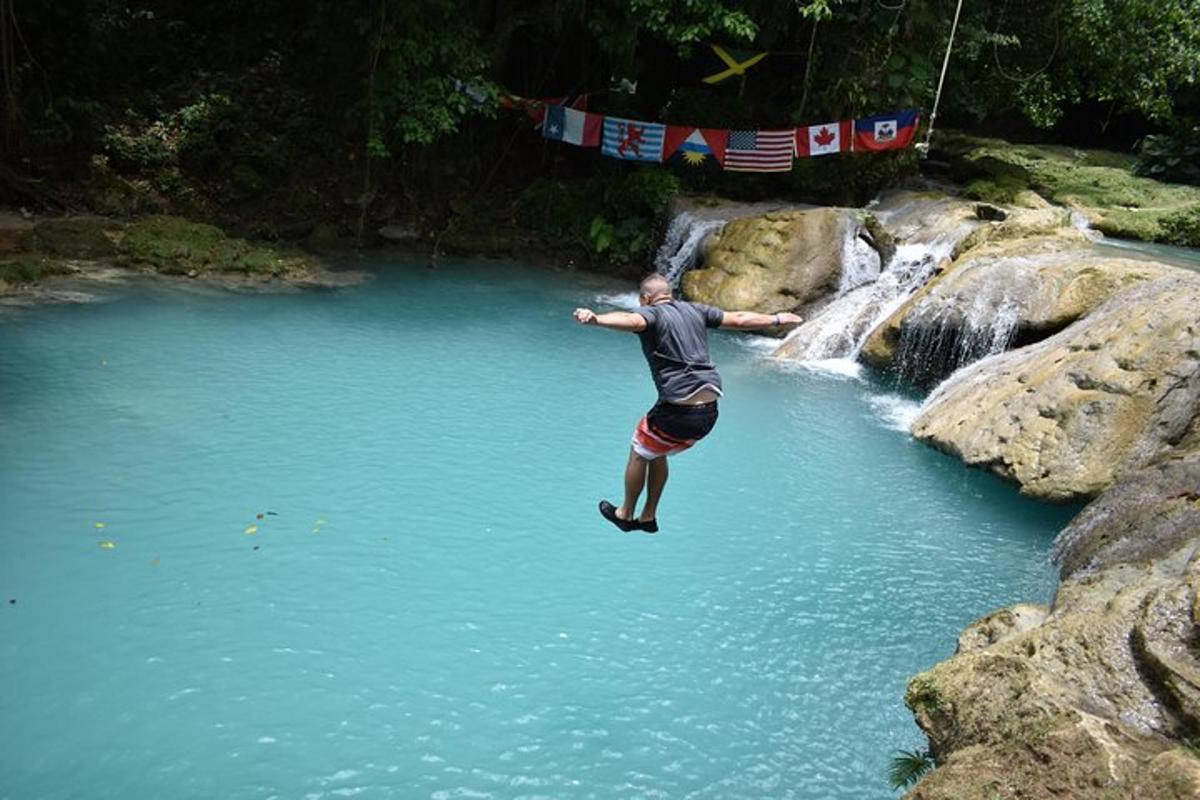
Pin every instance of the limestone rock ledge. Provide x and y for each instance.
(1065, 417)
(775, 262)
(1102, 698)
(1010, 283)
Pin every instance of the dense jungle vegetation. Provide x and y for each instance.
(285, 119)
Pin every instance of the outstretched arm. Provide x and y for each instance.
(614, 320)
(750, 320)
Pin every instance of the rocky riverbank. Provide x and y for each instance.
(65, 259)
(1076, 375)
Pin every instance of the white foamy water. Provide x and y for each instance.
(839, 329)
(626, 301)
(895, 411)
(680, 248)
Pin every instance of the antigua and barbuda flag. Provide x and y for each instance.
(573, 127)
(886, 131)
(695, 147)
(826, 139)
(632, 140)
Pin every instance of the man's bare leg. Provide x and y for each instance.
(635, 479)
(655, 481)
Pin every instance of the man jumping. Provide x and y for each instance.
(675, 341)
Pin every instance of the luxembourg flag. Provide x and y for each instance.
(823, 140)
(573, 127)
(886, 131)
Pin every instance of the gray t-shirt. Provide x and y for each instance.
(676, 346)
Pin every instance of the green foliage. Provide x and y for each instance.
(613, 216)
(429, 53)
(908, 767)
(1171, 157)
(1182, 227)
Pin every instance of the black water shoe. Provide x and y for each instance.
(649, 526)
(609, 512)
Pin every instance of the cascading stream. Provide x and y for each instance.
(681, 244)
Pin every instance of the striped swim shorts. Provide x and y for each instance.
(669, 428)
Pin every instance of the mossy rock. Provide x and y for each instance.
(78, 237)
(173, 245)
(1101, 184)
(30, 268)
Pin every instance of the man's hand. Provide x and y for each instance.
(788, 318)
(585, 316)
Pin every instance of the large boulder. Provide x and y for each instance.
(1065, 417)
(1096, 699)
(776, 262)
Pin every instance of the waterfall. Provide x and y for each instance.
(839, 329)
(681, 244)
(948, 339)
(860, 261)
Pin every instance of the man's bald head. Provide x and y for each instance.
(654, 287)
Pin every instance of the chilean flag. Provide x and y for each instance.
(822, 140)
(886, 131)
(573, 127)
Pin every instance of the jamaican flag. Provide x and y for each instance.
(722, 63)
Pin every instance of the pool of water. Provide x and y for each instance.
(1186, 257)
(430, 605)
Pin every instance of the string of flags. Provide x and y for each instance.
(771, 150)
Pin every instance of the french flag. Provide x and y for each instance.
(886, 131)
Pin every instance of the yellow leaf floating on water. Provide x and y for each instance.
(250, 530)
(108, 544)
(100, 524)
(317, 525)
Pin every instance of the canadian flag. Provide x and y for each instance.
(821, 140)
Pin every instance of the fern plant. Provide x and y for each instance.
(909, 766)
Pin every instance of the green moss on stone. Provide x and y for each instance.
(30, 268)
(174, 245)
(923, 694)
(1099, 183)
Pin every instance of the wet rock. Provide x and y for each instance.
(1148, 513)
(999, 294)
(1000, 625)
(775, 262)
(1091, 701)
(1065, 417)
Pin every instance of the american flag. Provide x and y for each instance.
(760, 151)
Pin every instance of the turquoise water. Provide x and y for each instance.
(436, 609)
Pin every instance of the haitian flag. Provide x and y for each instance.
(631, 140)
(695, 147)
(822, 140)
(573, 127)
(886, 131)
